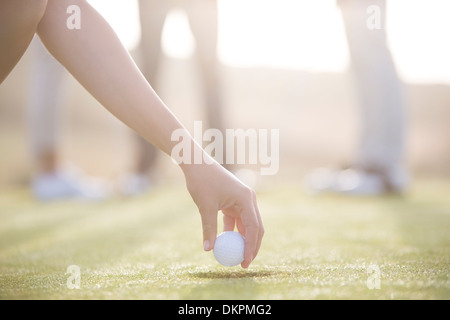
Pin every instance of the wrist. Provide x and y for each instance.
(206, 162)
(193, 158)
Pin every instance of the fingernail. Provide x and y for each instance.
(206, 245)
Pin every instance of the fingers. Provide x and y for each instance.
(240, 227)
(254, 231)
(228, 223)
(261, 227)
(209, 225)
(248, 221)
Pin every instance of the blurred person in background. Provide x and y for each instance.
(378, 165)
(203, 21)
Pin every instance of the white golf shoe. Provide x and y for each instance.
(357, 181)
(68, 184)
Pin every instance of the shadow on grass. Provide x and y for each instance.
(222, 274)
(226, 284)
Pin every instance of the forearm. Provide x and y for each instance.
(97, 59)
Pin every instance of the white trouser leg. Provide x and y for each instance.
(380, 95)
(44, 102)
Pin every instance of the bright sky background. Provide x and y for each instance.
(302, 34)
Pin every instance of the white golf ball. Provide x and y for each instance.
(229, 248)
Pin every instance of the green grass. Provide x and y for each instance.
(150, 247)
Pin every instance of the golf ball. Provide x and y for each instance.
(229, 248)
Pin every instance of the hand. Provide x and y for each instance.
(213, 188)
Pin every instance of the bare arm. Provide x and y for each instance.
(98, 60)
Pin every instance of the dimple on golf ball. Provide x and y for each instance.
(229, 248)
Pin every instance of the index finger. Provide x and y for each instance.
(261, 227)
(251, 222)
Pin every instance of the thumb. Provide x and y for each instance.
(209, 225)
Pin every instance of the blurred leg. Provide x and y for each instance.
(18, 22)
(378, 165)
(52, 181)
(46, 86)
(203, 19)
(380, 95)
(152, 17)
